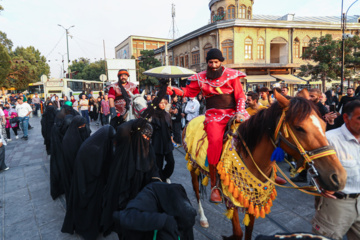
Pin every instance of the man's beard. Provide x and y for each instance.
(122, 81)
(214, 74)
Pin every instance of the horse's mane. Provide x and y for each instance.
(264, 122)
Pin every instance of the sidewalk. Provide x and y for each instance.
(28, 212)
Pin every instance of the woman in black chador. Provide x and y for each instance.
(47, 122)
(161, 141)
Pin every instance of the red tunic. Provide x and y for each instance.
(115, 93)
(216, 119)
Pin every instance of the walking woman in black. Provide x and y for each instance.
(161, 141)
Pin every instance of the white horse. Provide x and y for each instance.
(137, 106)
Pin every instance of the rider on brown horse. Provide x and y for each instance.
(225, 99)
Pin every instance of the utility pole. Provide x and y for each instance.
(63, 68)
(343, 28)
(173, 20)
(67, 45)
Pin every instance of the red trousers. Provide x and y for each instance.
(215, 133)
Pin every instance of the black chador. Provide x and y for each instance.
(61, 124)
(160, 211)
(91, 168)
(47, 123)
(133, 168)
(76, 134)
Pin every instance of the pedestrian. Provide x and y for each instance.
(75, 103)
(265, 98)
(345, 99)
(92, 109)
(175, 112)
(75, 135)
(133, 167)
(90, 95)
(285, 91)
(36, 102)
(315, 97)
(201, 100)
(252, 103)
(81, 94)
(192, 109)
(98, 114)
(10, 113)
(57, 103)
(331, 100)
(161, 141)
(91, 168)
(105, 110)
(3, 166)
(84, 107)
(148, 99)
(47, 123)
(23, 110)
(12, 99)
(339, 216)
(183, 114)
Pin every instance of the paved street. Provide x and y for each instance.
(28, 212)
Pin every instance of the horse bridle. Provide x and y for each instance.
(137, 113)
(308, 156)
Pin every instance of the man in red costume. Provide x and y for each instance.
(117, 101)
(225, 99)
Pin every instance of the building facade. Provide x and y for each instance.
(133, 45)
(267, 48)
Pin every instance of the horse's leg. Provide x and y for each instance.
(195, 182)
(237, 232)
(250, 227)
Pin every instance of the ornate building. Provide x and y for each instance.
(268, 48)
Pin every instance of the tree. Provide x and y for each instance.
(326, 53)
(27, 66)
(148, 61)
(5, 65)
(87, 70)
(7, 43)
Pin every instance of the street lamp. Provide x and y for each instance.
(67, 44)
(343, 27)
(63, 68)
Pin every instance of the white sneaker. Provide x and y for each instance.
(17, 137)
(6, 169)
(9, 140)
(168, 180)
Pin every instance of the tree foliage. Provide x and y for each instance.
(5, 64)
(28, 65)
(326, 55)
(7, 43)
(87, 70)
(148, 61)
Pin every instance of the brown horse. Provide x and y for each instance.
(258, 134)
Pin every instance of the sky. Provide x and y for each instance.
(35, 22)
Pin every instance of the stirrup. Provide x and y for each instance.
(221, 194)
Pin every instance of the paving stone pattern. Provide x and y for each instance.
(28, 212)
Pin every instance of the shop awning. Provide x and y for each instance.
(260, 78)
(315, 82)
(290, 79)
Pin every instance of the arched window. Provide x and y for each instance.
(243, 11)
(186, 60)
(261, 48)
(249, 13)
(182, 60)
(228, 49)
(305, 44)
(296, 48)
(231, 12)
(212, 16)
(248, 48)
(195, 56)
(207, 48)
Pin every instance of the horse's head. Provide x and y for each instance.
(302, 135)
(139, 104)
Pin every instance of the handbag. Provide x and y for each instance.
(13, 120)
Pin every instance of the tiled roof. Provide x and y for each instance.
(327, 19)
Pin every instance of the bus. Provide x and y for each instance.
(37, 87)
(71, 87)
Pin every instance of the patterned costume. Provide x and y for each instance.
(115, 93)
(224, 98)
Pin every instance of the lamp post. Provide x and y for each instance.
(67, 45)
(343, 28)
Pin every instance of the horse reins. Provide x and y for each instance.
(308, 156)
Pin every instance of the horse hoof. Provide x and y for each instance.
(204, 224)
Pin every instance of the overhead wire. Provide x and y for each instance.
(55, 46)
